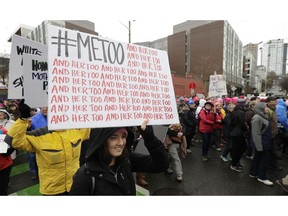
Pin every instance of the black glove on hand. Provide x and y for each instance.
(147, 134)
(24, 109)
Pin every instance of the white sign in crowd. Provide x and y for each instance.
(93, 81)
(217, 86)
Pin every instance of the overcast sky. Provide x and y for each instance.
(253, 21)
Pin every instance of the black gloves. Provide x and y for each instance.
(24, 109)
(147, 134)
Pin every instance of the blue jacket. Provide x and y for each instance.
(281, 111)
(39, 121)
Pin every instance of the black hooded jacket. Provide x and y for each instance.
(97, 178)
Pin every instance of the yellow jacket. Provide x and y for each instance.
(57, 153)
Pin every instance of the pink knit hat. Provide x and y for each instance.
(122, 130)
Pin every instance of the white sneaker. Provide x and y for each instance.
(266, 182)
(169, 171)
(188, 151)
(224, 159)
(179, 178)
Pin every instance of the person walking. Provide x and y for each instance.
(261, 138)
(206, 122)
(238, 129)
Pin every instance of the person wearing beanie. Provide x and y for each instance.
(217, 127)
(206, 122)
(226, 132)
(261, 137)
(190, 123)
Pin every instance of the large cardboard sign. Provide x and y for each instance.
(21, 46)
(217, 86)
(35, 73)
(98, 82)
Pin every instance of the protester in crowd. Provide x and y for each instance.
(109, 165)
(217, 127)
(37, 121)
(238, 130)
(199, 108)
(206, 122)
(33, 111)
(57, 152)
(271, 102)
(13, 110)
(250, 112)
(181, 106)
(6, 104)
(281, 111)
(178, 140)
(189, 124)
(6, 160)
(226, 131)
(261, 137)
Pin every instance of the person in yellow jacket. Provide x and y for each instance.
(57, 152)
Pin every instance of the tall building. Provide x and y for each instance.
(201, 48)
(274, 56)
(250, 57)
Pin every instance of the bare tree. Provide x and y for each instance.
(284, 85)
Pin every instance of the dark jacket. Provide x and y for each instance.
(189, 122)
(238, 125)
(117, 180)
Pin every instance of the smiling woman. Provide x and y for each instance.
(110, 162)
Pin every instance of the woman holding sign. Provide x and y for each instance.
(109, 162)
(5, 158)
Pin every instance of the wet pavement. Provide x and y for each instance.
(214, 177)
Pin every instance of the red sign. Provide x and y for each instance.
(192, 85)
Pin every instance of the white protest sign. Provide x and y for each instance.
(99, 82)
(35, 73)
(3, 145)
(217, 86)
(21, 46)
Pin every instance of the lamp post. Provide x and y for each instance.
(129, 29)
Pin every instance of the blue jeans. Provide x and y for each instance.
(206, 141)
(260, 164)
(32, 163)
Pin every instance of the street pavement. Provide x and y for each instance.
(214, 178)
(211, 178)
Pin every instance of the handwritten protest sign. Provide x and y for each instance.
(35, 74)
(21, 46)
(217, 86)
(3, 145)
(98, 82)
